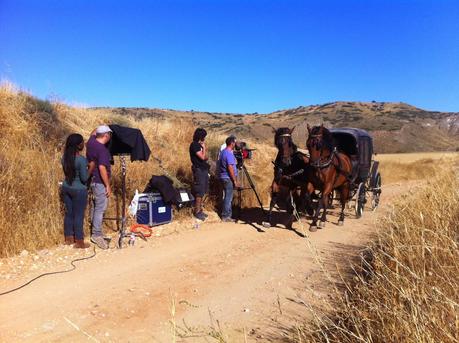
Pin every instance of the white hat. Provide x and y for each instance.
(103, 129)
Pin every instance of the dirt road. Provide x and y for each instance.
(255, 284)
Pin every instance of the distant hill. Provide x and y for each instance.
(396, 127)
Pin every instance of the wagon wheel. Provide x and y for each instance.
(376, 192)
(360, 200)
(353, 192)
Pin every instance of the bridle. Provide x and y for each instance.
(319, 164)
(280, 145)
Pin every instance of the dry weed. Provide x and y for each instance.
(405, 289)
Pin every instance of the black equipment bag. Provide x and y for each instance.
(184, 198)
(164, 185)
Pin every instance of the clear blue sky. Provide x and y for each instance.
(233, 56)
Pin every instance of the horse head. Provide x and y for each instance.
(319, 142)
(284, 143)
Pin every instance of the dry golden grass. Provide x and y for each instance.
(33, 134)
(405, 288)
(413, 166)
(416, 156)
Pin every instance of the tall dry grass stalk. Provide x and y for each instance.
(405, 289)
(32, 136)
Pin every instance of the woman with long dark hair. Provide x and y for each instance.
(74, 191)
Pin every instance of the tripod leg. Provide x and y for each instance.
(267, 221)
(252, 185)
(239, 204)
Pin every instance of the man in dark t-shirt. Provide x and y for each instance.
(99, 159)
(200, 168)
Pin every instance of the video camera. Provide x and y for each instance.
(241, 153)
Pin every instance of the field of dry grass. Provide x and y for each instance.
(413, 166)
(33, 134)
(404, 288)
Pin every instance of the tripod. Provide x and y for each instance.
(245, 172)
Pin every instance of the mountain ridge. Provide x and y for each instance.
(395, 126)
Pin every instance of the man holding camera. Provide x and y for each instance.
(200, 168)
(228, 177)
(99, 158)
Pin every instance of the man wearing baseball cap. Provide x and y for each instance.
(99, 158)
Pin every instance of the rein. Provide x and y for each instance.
(289, 176)
(322, 165)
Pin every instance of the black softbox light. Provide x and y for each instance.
(128, 141)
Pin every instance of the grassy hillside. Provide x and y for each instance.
(396, 127)
(33, 135)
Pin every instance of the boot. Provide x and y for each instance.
(197, 205)
(80, 244)
(69, 240)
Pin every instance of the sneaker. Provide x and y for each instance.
(200, 216)
(99, 241)
(228, 220)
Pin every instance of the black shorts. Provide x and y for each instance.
(200, 182)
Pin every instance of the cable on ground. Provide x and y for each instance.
(52, 273)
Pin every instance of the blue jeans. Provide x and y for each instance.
(99, 205)
(227, 198)
(75, 201)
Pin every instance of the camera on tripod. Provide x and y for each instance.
(241, 153)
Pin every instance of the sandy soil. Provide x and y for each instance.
(230, 279)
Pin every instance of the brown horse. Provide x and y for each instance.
(330, 170)
(290, 170)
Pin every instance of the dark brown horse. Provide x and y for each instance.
(290, 169)
(330, 170)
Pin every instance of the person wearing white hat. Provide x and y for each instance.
(99, 158)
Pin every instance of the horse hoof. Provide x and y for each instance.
(340, 222)
(266, 225)
(313, 228)
(321, 225)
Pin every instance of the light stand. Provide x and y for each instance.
(123, 201)
(122, 218)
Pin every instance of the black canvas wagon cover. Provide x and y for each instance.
(357, 144)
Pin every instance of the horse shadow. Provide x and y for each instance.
(255, 218)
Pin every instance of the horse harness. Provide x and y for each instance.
(318, 165)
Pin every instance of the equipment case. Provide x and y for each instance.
(152, 210)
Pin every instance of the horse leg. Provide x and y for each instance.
(313, 226)
(324, 203)
(275, 189)
(308, 199)
(272, 203)
(344, 197)
(290, 209)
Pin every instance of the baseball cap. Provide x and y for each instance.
(103, 129)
